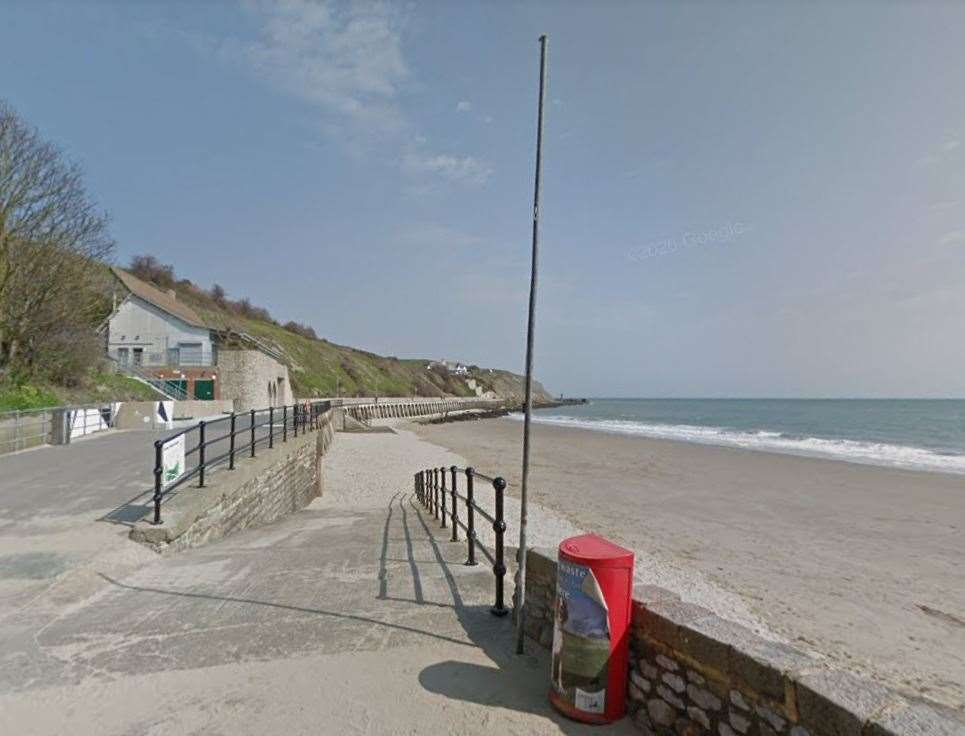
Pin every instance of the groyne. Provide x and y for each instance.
(415, 408)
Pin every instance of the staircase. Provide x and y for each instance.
(162, 386)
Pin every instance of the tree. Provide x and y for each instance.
(219, 295)
(52, 242)
(148, 268)
(300, 329)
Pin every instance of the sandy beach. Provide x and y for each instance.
(861, 564)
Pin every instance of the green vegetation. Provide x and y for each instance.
(318, 367)
(94, 387)
(26, 396)
(55, 289)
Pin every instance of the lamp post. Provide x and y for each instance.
(530, 329)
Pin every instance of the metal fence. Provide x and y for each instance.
(433, 492)
(223, 441)
(20, 430)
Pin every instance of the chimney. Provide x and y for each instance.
(172, 293)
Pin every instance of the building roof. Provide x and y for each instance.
(160, 299)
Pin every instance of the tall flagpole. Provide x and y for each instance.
(521, 586)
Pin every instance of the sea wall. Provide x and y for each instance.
(693, 673)
(401, 408)
(275, 483)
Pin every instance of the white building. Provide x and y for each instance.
(150, 327)
(165, 342)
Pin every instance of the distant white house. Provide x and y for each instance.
(452, 366)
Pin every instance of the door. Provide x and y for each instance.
(123, 356)
(138, 356)
(204, 389)
(176, 387)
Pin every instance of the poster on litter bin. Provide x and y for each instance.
(581, 639)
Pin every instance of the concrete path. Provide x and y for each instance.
(51, 542)
(339, 619)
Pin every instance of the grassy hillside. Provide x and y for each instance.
(94, 387)
(318, 367)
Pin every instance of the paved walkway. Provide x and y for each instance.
(333, 620)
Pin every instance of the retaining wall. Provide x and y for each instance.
(693, 673)
(143, 414)
(253, 380)
(273, 484)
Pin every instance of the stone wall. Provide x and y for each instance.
(254, 380)
(275, 483)
(693, 673)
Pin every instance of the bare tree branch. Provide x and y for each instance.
(52, 243)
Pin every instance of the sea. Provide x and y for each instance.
(917, 434)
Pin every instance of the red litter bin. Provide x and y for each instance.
(591, 629)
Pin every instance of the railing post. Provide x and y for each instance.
(442, 472)
(455, 513)
(435, 492)
(158, 471)
(284, 423)
(271, 427)
(295, 419)
(499, 569)
(470, 519)
(201, 454)
(231, 444)
(252, 432)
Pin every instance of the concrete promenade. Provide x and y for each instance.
(342, 618)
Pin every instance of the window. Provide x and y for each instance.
(174, 356)
(192, 353)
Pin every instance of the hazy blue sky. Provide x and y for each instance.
(740, 199)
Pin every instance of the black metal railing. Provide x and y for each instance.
(245, 431)
(435, 494)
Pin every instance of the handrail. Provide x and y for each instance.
(432, 491)
(303, 416)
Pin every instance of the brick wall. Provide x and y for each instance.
(693, 673)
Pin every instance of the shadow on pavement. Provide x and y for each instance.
(515, 682)
(285, 607)
(132, 510)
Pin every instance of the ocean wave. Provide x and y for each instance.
(867, 453)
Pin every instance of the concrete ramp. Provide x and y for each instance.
(329, 621)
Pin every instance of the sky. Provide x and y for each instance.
(739, 199)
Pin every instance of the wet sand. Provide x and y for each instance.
(862, 564)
